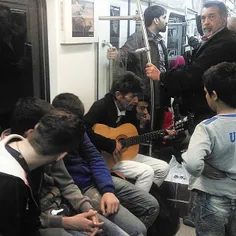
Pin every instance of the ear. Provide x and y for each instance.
(61, 156)
(156, 20)
(27, 133)
(214, 95)
(118, 95)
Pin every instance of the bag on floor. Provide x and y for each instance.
(167, 222)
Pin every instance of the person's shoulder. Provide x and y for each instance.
(209, 121)
(136, 35)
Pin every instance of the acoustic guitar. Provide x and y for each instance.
(129, 138)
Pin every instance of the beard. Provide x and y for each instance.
(207, 31)
(163, 29)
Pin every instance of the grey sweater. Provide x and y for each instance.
(211, 156)
(58, 181)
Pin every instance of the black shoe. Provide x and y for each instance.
(187, 221)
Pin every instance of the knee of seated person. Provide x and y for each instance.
(148, 172)
(140, 230)
(95, 198)
(165, 169)
(153, 210)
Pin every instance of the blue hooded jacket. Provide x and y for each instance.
(88, 168)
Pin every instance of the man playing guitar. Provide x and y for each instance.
(116, 108)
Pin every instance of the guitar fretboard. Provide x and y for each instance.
(142, 138)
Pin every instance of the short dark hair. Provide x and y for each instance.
(27, 112)
(221, 78)
(127, 82)
(69, 102)
(222, 7)
(57, 132)
(153, 12)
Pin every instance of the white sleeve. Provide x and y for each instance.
(199, 147)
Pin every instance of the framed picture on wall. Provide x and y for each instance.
(78, 20)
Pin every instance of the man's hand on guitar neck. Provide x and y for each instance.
(170, 133)
(117, 151)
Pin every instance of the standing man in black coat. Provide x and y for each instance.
(218, 45)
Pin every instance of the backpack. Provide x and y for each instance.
(167, 222)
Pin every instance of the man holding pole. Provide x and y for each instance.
(155, 21)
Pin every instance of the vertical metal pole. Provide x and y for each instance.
(146, 43)
(128, 31)
(110, 81)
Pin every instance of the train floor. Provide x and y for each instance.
(185, 230)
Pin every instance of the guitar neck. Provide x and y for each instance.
(142, 138)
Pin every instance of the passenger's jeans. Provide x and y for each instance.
(135, 204)
(145, 170)
(108, 228)
(213, 215)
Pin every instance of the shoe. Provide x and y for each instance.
(187, 221)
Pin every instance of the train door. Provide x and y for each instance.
(23, 54)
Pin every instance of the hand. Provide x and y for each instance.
(83, 222)
(112, 53)
(109, 204)
(171, 134)
(117, 151)
(95, 221)
(142, 113)
(152, 72)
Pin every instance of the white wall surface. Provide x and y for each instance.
(72, 67)
(75, 68)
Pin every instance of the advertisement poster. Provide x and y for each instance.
(82, 18)
(114, 27)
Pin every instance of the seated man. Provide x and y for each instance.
(56, 134)
(57, 190)
(90, 173)
(116, 108)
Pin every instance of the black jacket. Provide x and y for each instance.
(136, 62)
(19, 212)
(188, 80)
(104, 111)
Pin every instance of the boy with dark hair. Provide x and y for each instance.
(19, 214)
(211, 157)
(92, 176)
(116, 108)
(60, 198)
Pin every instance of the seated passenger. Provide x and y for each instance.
(116, 108)
(56, 134)
(60, 198)
(91, 174)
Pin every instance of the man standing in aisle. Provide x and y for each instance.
(155, 22)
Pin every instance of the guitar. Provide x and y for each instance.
(129, 138)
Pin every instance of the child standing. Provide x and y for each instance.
(211, 157)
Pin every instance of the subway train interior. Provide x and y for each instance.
(48, 59)
(48, 47)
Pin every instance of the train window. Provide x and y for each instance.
(21, 57)
(176, 35)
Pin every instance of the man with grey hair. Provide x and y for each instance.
(218, 45)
